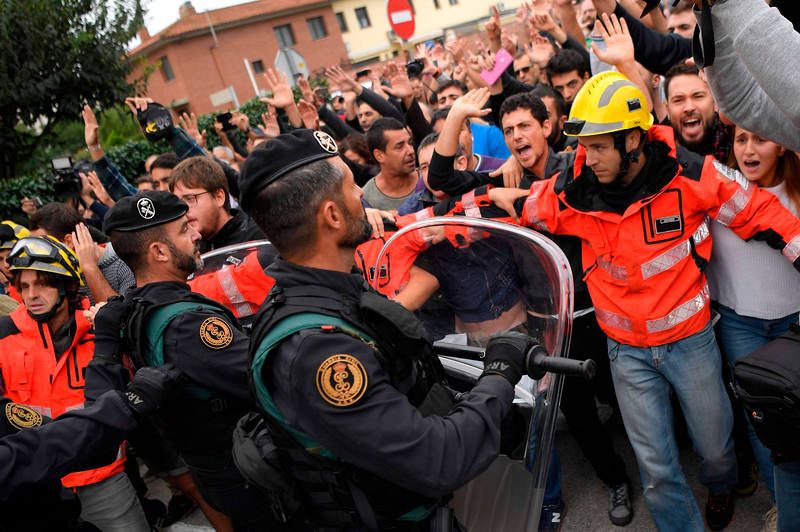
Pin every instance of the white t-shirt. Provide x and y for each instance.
(750, 277)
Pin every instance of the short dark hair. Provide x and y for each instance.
(441, 114)
(680, 7)
(286, 209)
(56, 218)
(565, 61)
(432, 138)
(143, 179)
(53, 280)
(376, 140)
(131, 246)
(546, 91)
(201, 172)
(165, 160)
(357, 142)
(452, 83)
(678, 69)
(525, 100)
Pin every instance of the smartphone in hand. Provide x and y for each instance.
(502, 60)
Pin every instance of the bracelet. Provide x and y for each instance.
(94, 148)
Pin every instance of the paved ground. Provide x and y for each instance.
(585, 496)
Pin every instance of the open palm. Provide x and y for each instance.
(619, 45)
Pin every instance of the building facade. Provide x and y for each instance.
(212, 61)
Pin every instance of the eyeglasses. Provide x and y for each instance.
(191, 199)
(523, 70)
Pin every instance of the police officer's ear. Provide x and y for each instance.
(331, 216)
(158, 251)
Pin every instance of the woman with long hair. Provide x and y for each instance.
(757, 290)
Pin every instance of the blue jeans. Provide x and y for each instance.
(787, 495)
(739, 336)
(643, 379)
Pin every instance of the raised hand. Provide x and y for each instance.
(97, 187)
(188, 122)
(472, 104)
(85, 248)
(91, 129)
(278, 84)
(456, 49)
(269, 123)
(400, 84)
(493, 27)
(337, 76)
(241, 121)
(306, 91)
(619, 45)
(308, 112)
(136, 104)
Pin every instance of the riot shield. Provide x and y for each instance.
(226, 269)
(468, 279)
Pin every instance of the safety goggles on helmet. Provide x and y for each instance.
(606, 103)
(45, 254)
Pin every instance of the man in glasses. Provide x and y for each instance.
(201, 183)
(525, 70)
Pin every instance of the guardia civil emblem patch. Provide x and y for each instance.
(21, 417)
(216, 333)
(341, 380)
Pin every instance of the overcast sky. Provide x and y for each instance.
(162, 13)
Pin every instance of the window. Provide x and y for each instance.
(316, 26)
(363, 17)
(342, 22)
(285, 35)
(258, 66)
(436, 4)
(166, 69)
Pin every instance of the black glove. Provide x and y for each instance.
(506, 355)
(148, 387)
(108, 324)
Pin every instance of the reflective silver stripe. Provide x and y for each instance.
(732, 207)
(732, 174)
(228, 283)
(680, 313)
(792, 250)
(617, 271)
(613, 320)
(590, 128)
(470, 207)
(673, 256)
(605, 98)
(531, 211)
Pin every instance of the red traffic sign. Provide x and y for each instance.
(401, 18)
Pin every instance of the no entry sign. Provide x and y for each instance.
(401, 18)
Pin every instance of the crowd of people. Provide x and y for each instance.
(632, 149)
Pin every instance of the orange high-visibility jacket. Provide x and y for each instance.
(644, 267)
(241, 288)
(32, 376)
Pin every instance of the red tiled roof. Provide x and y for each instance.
(225, 15)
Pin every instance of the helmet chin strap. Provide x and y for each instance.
(628, 157)
(45, 316)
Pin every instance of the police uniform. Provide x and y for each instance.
(165, 323)
(352, 390)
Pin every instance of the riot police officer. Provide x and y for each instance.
(163, 322)
(351, 389)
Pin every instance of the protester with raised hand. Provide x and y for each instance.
(114, 182)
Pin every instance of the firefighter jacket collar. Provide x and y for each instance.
(585, 193)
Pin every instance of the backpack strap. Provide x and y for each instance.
(276, 334)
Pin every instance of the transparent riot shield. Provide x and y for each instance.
(220, 280)
(468, 279)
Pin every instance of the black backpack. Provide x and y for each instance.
(768, 384)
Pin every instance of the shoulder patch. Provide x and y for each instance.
(341, 380)
(216, 333)
(21, 417)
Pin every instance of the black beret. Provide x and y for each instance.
(279, 156)
(143, 210)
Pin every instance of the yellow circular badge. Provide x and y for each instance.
(216, 333)
(22, 417)
(341, 380)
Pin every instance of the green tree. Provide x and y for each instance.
(54, 56)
